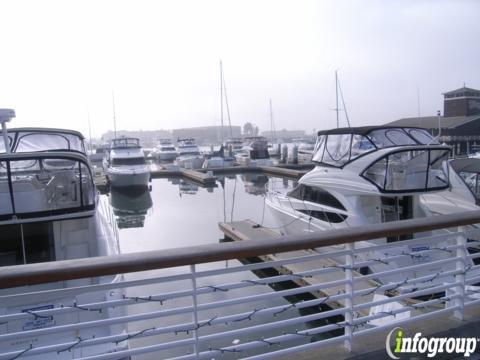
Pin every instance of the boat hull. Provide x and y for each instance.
(132, 178)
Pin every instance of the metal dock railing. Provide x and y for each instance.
(200, 311)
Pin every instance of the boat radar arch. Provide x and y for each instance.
(5, 116)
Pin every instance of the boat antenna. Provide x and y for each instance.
(221, 100)
(5, 116)
(114, 119)
(272, 123)
(226, 103)
(336, 95)
(89, 129)
(343, 104)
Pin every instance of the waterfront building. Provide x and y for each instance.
(459, 126)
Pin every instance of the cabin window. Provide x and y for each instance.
(390, 137)
(337, 150)
(27, 243)
(319, 148)
(360, 146)
(168, 148)
(473, 181)
(128, 161)
(326, 216)
(422, 136)
(316, 195)
(410, 170)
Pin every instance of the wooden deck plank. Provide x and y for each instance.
(248, 230)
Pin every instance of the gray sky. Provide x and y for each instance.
(60, 61)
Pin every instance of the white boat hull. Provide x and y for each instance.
(128, 178)
(190, 162)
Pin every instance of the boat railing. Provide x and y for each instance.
(200, 302)
(44, 184)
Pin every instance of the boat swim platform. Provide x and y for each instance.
(248, 230)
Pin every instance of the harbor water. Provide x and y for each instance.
(176, 213)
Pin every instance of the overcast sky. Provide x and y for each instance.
(61, 60)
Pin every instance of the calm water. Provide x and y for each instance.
(177, 213)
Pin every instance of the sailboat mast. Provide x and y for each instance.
(272, 123)
(336, 96)
(221, 100)
(114, 119)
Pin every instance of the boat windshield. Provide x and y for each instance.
(337, 149)
(44, 185)
(123, 143)
(167, 148)
(128, 161)
(410, 171)
(33, 141)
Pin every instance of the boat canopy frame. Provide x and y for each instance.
(350, 144)
(58, 183)
(393, 178)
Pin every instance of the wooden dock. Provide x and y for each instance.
(202, 176)
(248, 230)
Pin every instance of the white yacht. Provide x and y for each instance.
(164, 151)
(369, 175)
(125, 164)
(233, 146)
(50, 211)
(254, 152)
(188, 154)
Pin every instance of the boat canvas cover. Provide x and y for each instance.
(21, 141)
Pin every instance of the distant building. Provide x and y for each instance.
(284, 135)
(208, 134)
(460, 124)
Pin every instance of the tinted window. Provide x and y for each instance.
(316, 195)
(326, 216)
(129, 161)
(37, 241)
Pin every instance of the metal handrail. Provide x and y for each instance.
(30, 274)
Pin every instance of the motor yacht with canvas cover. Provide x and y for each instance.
(126, 165)
(254, 152)
(49, 211)
(369, 175)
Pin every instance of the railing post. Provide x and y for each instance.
(461, 265)
(195, 311)
(349, 264)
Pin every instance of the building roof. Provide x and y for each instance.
(431, 122)
(462, 89)
(361, 130)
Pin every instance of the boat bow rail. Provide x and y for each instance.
(200, 311)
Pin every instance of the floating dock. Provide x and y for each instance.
(207, 176)
(248, 230)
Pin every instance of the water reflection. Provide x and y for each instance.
(255, 184)
(130, 205)
(192, 219)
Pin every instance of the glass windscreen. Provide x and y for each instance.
(472, 180)
(44, 185)
(128, 161)
(422, 136)
(383, 138)
(40, 141)
(125, 143)
(410, 170)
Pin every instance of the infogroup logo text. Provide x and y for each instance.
(432, 346)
